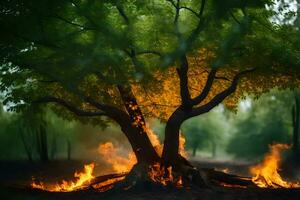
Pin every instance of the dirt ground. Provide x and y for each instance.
(15, 175)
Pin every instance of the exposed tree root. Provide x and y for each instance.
(190, 177)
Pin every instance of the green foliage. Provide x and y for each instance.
(71, 49)
(268, 121)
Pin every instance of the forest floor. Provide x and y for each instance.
(16, 174)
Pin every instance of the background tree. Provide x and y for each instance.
(206, 132)
(267, 121)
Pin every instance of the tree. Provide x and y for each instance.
(295, 124)
(267, 121)
(102, 60)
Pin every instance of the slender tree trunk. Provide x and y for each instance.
(68, 149)
(42, 144)
(26, 146)
(194, 150)
(213, 149)
(53, 147)
(296, 123)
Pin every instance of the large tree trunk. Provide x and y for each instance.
(170, 155)
(140, 143)
(133, 125)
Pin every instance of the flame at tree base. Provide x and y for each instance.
(163, 176)
(266, 173)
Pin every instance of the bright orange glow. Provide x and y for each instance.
(112, 155)
(163, 176)
(82, 179)
(266, 173)
(232, 185)
(107, 185)
(182, 151)
(154, 140)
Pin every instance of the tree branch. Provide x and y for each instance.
(191, 10)
(69, 106)
(200, 26)
(149, 52)
(209, 82)
(69, 22)
(234, 18)
(123, 14)
(183, 78)
(221, 96)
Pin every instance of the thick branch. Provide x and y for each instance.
(183, 78)
(221, 96)
(69, 106)
(123, 14)
(209, 82)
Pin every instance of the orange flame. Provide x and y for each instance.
(154, 140)
(266, 173)
(164, 176)
(112, 155)
(83, 178)
(182, 151)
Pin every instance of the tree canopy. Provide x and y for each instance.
(70, 49)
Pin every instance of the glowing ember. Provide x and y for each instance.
(232, 185)
(82, 178)
(107, 185)
(266, 173)
(224, 170)
(112, 155)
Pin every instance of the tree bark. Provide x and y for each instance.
(194, 150)
(53, 147)
(170, 155)
(296, 122)
(134, 126)
(213, 148)
(43, 144)
(68, 149)
(139, 141)
(26, 146)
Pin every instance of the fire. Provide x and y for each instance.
(108, 184)
(266, 173)
(82, 178)
(182, 151)
(112, 155)
(154, 140)
(164, 176)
